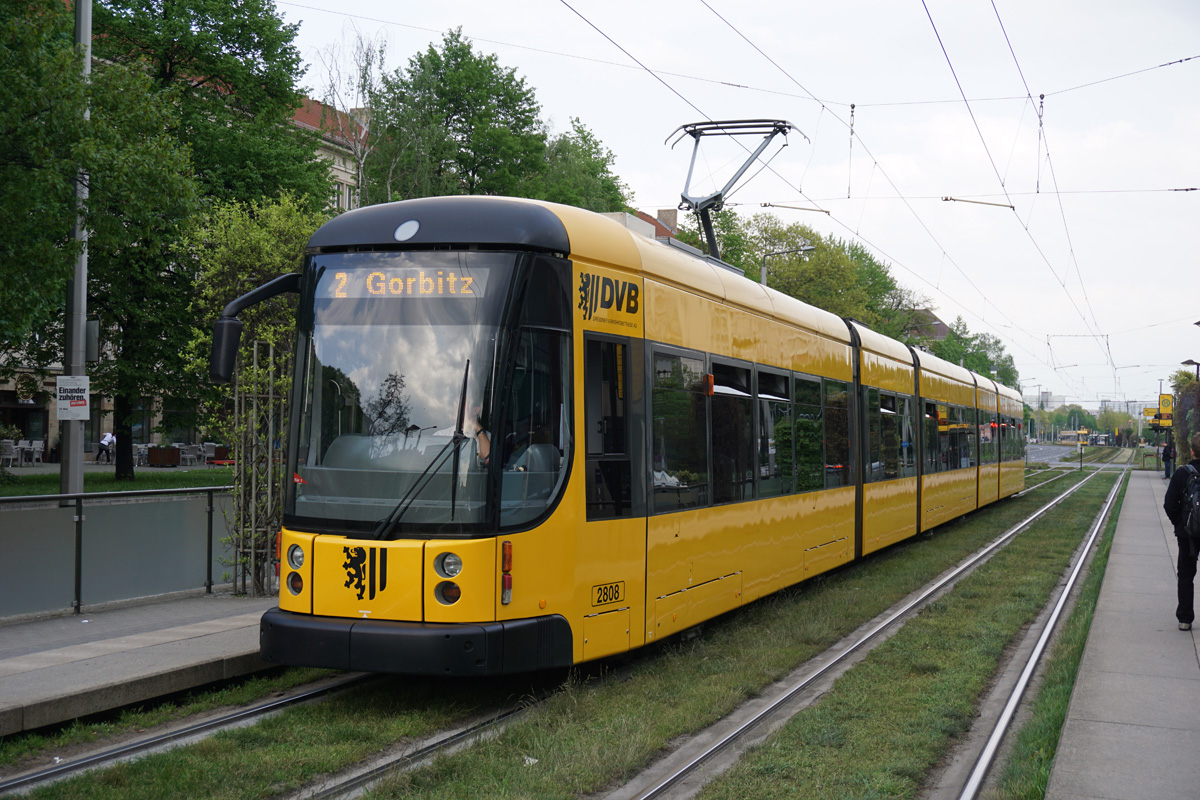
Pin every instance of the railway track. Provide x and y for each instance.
(154, 742)
(686, 771)
(681, 775)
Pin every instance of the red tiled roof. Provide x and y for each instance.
(333, 125)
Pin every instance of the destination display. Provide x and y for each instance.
(408, 282)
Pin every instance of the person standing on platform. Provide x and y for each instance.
(1169, 455)
(1175, 504)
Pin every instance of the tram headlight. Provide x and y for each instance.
(295, 556)
(447, 593)
(295, 583)
(448, 565)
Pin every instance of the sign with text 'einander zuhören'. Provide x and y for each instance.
(72, 394)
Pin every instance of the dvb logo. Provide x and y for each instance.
(596, 292)
(366, 570)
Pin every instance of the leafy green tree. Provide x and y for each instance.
(578, 172)
(233, 71)
(141, 196)
(1185, 410)
(455, 122)
(981, 353)
(893, 309)
(825, 276)
(234, 248)
(1072, 417)
(41, 132)
(734, 238)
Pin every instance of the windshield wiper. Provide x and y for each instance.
(385, 525)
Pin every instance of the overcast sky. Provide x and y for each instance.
(1091, 279)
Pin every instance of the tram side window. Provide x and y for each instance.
(934, 461)
(987, 437)
(680, 433)
(907, 435)
(732, 434)
(890, 449)
(808, 435)
(776, 470)
(872, 436)
(970, 432)
(889, 440)
(837, 434)
(607, 388)
(537, 441)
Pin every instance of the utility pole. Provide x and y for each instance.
(71, 468)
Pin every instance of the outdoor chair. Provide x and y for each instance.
(8, 452)
(189, 455)
(36, 451)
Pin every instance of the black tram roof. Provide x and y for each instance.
(456, 221)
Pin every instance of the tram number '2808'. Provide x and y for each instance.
(606, 593)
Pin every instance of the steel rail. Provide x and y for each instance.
(988, 754)
(68, 768)
(659, 789)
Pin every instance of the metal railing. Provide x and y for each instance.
(79, 500)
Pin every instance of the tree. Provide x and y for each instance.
(734, 238)
(981, 353)
(43, 96)
(893, 309)
(824, 276)
(1185, 409)
(347, 99)
(142, 195)
(234, 71)
(1072, 417)
(456, 122)
(234, 248)
(578, 172)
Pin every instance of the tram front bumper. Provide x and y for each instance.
(415, 648)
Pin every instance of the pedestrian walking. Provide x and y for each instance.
(1169, 456)
(1175, 503)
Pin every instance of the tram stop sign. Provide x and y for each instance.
(1165, 402)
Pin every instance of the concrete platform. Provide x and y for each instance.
(55, 669)
(1133, 725)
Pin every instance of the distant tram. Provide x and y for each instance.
(525, 437)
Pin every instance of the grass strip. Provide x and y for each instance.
(281, 754)
(50, 483)
(18, 750)
(598, 734)
(1026, 772)
(594, 732)
(888, 721)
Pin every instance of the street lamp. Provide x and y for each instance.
(763, 278)
(1191, 363)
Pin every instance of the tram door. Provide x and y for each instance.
(612, 545)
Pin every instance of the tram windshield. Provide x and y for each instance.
(433, 393)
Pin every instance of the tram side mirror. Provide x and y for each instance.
(227, 333)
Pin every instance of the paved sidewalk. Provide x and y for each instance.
(1133, 726)
(55, 669)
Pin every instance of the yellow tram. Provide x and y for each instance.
(525, 437)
